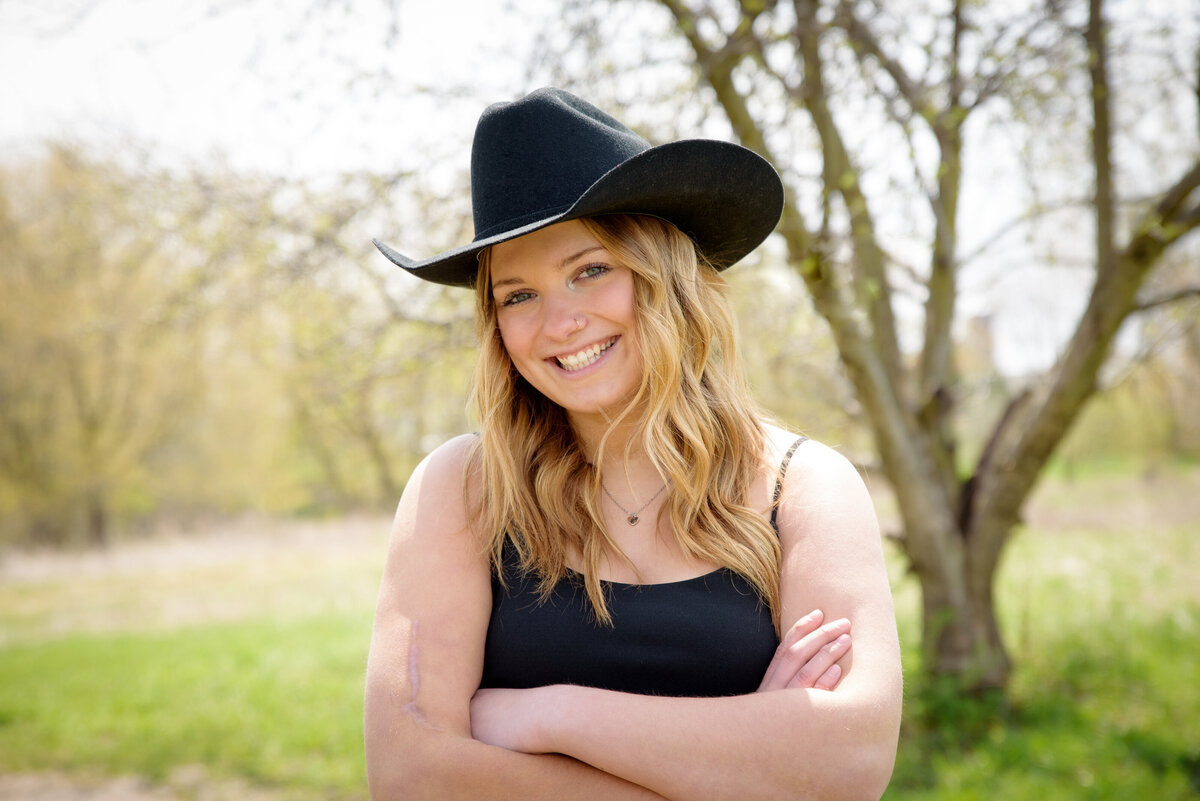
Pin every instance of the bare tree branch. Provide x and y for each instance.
(842, 176)
(946, 125)
(935, 364)
(916, 93)
(1166, 222)
(1167, 298)
(1101, 138)
(1026, 438)
(1010, 62)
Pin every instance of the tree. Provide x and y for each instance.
(179, 345)
(96, 324)
(814, 71)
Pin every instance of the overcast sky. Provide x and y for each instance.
(267, 84)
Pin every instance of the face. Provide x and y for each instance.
(566, 314)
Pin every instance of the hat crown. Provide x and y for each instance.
(535, 157)
(551, 157)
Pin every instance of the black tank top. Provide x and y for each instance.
(705, 636)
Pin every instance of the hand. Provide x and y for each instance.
(507, 718)
(808, 655)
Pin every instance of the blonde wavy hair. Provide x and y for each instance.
(698, 425)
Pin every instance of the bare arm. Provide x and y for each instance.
(788, 743)
(426, 661)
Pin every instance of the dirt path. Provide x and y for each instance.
(55, 787)
(184, 784)
(237, 570)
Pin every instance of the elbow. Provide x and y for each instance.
(865, 754)
(870, 772)
(417, 770)
(855, 771)
(408, 780)
(394, 779)
(855, 758)
(865, 769)
(863, 775)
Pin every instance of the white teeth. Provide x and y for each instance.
(577, 361)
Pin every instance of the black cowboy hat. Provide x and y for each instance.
(551, 157)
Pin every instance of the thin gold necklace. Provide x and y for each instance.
(632, 517)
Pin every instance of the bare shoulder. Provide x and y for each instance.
(433, 534)
(434, 497)
(447, 463)
(434, 543)
(779, 441)
(823, 493)
(816, 468)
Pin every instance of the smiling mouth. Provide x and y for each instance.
(580, 360)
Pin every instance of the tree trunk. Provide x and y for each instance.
(960, 635)
(372, 439)
(97, 519)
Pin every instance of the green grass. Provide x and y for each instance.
(1100, 609)
(1104, 630)
(1103, 716)
(279, 704)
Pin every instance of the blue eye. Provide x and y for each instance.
(591, 271)
(515, 298)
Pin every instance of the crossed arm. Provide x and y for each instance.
(429, 734)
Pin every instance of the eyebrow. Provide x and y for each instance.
(561, 266)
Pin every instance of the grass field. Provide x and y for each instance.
(1100, 603)
(237, 655)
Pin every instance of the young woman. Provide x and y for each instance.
(585, 598)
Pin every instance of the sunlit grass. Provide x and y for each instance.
(1102, 617)
(1100, 715)
(276, 703)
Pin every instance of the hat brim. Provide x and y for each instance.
(727, 198)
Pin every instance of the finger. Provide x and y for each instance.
(802, 628)
(799, 630)
(800, 654)
(830, 678)
(791, 658)
(821, 662)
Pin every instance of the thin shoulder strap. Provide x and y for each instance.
(779, 481)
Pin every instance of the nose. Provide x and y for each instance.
(562, 319)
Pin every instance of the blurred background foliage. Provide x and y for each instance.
(175, 347)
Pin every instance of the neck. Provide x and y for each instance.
(625, 468)
(594, 429)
